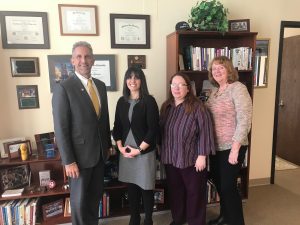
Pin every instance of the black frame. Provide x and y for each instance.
(28, 102)
(4, 29)
(26, 71)
(241, 28)
(56, 62)
(113, 28)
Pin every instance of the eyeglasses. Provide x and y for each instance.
(178, 85)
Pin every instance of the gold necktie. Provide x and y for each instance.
(93, 96)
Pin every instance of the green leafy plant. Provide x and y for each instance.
(209, 15)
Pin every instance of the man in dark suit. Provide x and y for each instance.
(82, 131)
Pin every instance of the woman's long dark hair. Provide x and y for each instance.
(190, 102)
(139, 74)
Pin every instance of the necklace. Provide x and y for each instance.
(220, 91)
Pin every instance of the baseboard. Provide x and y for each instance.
(259, 182)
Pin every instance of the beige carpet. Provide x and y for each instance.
(282, 164)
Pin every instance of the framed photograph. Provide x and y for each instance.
(137, 61)
(104, 69)
(3, 148)
(159, 196)
(24, 66)
(28, 96)
(129, 31)
(53, 209)
(14, 177)
(24, 30)
(261, 63)
(44, 141)
(79, 20)
(13, 148)
(239, 25)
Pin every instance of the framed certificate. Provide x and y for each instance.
(80, 20)
(24, 30)
(130, 31)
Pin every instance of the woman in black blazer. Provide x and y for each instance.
(135, 130)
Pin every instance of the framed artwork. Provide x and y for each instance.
(137, 61)
(44, 141)
(15, 177)
(80, 20)
(28, 96)
(24, 66)
(53, 209)
(130, 31)
(60, 68)
(13, 148)
(242, 25)
(159, 196)
(3, 149)
(24, 30)
(261, 63)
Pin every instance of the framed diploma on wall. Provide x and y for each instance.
(79, 20)
(24, 30)
(130, 31)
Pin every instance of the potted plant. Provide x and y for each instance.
(209, 15)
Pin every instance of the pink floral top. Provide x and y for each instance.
(232, 114)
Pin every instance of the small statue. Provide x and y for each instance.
(24, 151)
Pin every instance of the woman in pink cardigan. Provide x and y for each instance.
(231, 108)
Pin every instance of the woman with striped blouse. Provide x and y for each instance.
(187, 139)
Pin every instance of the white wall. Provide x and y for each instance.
(265, 17)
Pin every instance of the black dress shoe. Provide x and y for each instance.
(173, 223)
(218, 221)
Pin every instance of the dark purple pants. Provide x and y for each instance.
(187, 194)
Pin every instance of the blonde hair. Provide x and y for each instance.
(227, 63)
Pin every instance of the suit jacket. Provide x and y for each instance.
(81, 136)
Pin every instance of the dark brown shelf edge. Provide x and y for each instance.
(212, 33)
(58, 190)
(32, 159)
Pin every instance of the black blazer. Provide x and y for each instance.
(144, 122)
(81, 136)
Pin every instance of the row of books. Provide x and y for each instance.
(104, 206)
(19, 212)
(198, 58)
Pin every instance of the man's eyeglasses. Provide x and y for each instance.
(178, 85)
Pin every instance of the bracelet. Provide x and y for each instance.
(139, 148)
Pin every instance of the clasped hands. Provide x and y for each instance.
(129, 152)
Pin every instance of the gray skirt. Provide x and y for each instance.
(139, 170)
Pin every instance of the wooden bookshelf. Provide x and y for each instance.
(177, 41)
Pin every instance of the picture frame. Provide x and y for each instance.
(14, 177)
(24, 30)
(130, 31)
(53, 209)
(159, 196)
(261, 63)
(25, 66)
(242, 25)
(3, 149)
(43, 141)
(28, 96)
(13, 148)
(137, 61)
(104, 69)
(78, 20)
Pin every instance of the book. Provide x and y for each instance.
(12, 192)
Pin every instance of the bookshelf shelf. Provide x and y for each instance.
(179, 40)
